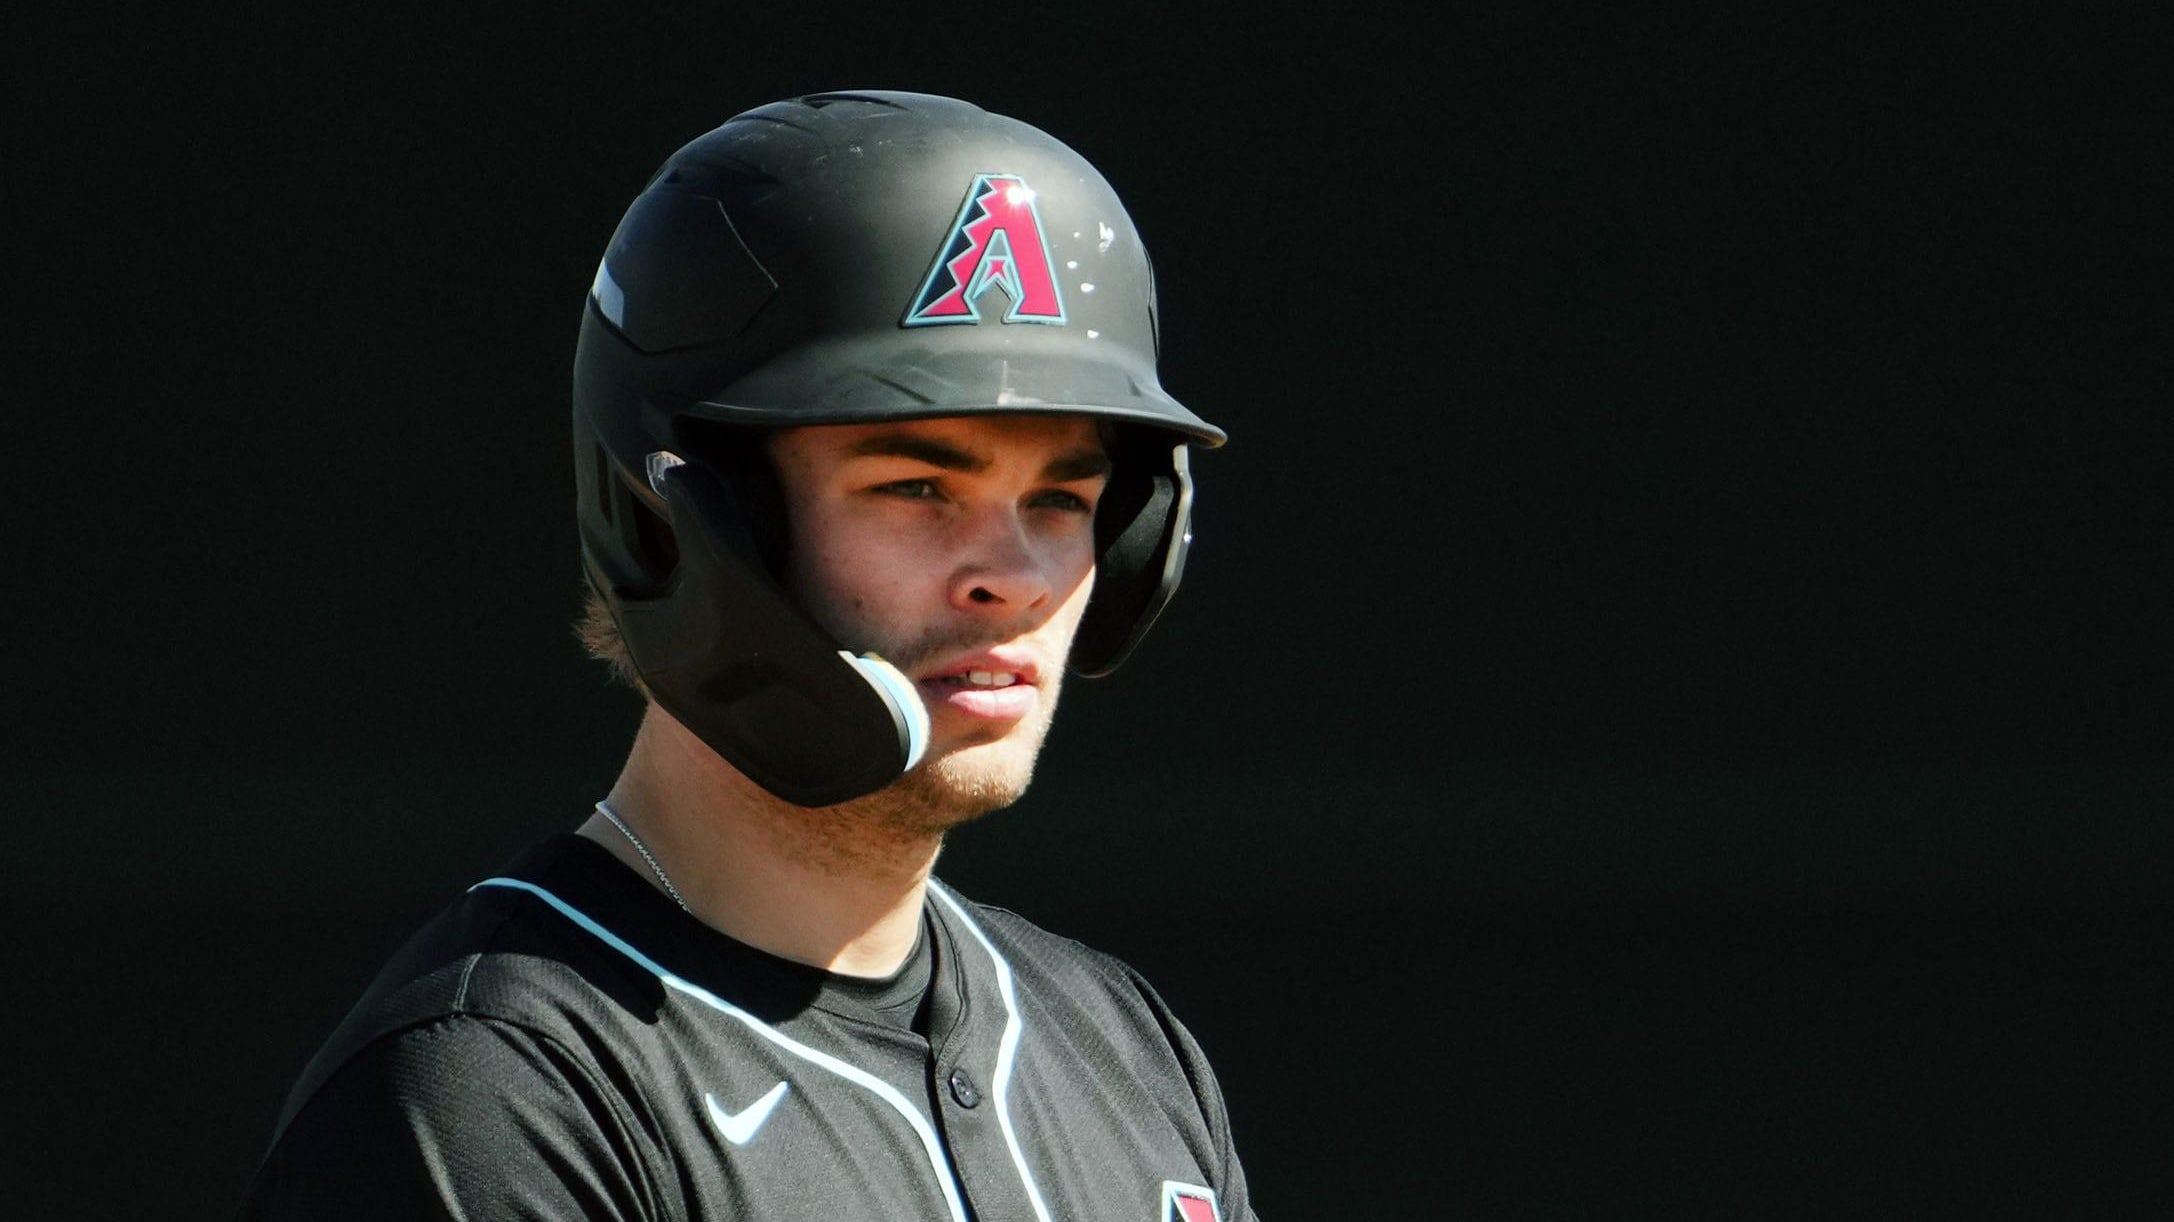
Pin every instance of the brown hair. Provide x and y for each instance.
(600, 638)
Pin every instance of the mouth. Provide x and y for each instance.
(985, 687)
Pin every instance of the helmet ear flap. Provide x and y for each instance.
(1143, 526)
(742, 456)
(725, 650)
(625, 540)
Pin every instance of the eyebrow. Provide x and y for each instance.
(1079, 464)
(1084, 463)
(918, 448)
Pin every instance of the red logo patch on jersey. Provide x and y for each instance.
(996, 242)
(1188, 1203)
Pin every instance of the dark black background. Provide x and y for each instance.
(1668, 713)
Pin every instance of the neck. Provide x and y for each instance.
(837, 887)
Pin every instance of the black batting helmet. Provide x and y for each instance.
(828, 260)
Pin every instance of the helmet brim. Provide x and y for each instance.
(864, 379)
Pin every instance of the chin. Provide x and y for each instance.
(987, 777)
(966, 783)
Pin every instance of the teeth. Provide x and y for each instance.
(980, 678)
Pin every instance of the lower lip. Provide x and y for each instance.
(987, 703)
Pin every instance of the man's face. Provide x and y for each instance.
(962, 550)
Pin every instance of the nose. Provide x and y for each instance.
(1001, 570)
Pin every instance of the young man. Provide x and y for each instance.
(869, 450)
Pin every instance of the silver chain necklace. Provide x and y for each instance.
(604, 809)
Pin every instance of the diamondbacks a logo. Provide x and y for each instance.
(1188, 1203)
(996, 242)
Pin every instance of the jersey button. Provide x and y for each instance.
(963, 1089)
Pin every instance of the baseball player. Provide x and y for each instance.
(869, 451)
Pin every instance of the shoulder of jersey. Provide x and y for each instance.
(1034, 950)
(483, 957)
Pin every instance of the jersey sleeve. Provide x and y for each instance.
(463, 1118)
(1232, 1196)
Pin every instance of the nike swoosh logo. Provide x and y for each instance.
(739, 1127)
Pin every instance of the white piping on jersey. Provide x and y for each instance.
(1006, 1048)
(859, 1077)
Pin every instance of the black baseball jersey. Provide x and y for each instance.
(563, 1042)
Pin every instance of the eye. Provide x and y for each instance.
(1059, 499)
(910, 489)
